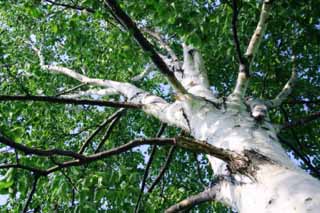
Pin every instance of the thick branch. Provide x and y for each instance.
(186, 143)
(57, 100)
(152, 104)
(193, 75)
(126, 21)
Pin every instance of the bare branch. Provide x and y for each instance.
(33, 190)
(126, 21)
(146, 171)
(234, 160)
(108, 132)
(205, 196)
(312, 101)
(260, 30)
(99, 129)
(286, 91)
(143, 74)
(243, 75)
(162, 42)
(193, 74)
(75, 7)
(241, 60)
(40, 152)
(163, 169)
(51, 99)
(302, 121)
(70, 90)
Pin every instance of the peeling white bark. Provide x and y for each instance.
(278, 185)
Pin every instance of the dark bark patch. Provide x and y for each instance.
(271, 201)
(265, 128)
(308, 199)
(272, 138)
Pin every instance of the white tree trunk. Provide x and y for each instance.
(276, 185)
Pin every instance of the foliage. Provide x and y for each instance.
(93, 43)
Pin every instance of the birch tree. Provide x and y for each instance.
(151, 106)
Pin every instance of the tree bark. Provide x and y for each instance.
(275, 183)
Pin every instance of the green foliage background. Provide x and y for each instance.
(93, 42)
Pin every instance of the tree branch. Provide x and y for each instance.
(163, 169)
(286, 91)
(52, 99)
(207, 195)
(146, 171)
(40, 152)
(147, 47)
(75, 7)
(243, 74)
(302, 121)
(162, 42)
(70, 90)
(33, 190)
(243, 66)
(259, 32)
(108, 132)
(235, 160)
(99, 129)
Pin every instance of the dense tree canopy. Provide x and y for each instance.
(85, 36)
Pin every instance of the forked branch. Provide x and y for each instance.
(243, 75)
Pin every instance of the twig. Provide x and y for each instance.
(70, 90)
(100, 127)
(146, 171)
(163, 169)
(76, 7)
(40, 152)
(243, 65)
(108, 132)
(52, 99)
(33, 190)
(302, 121)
